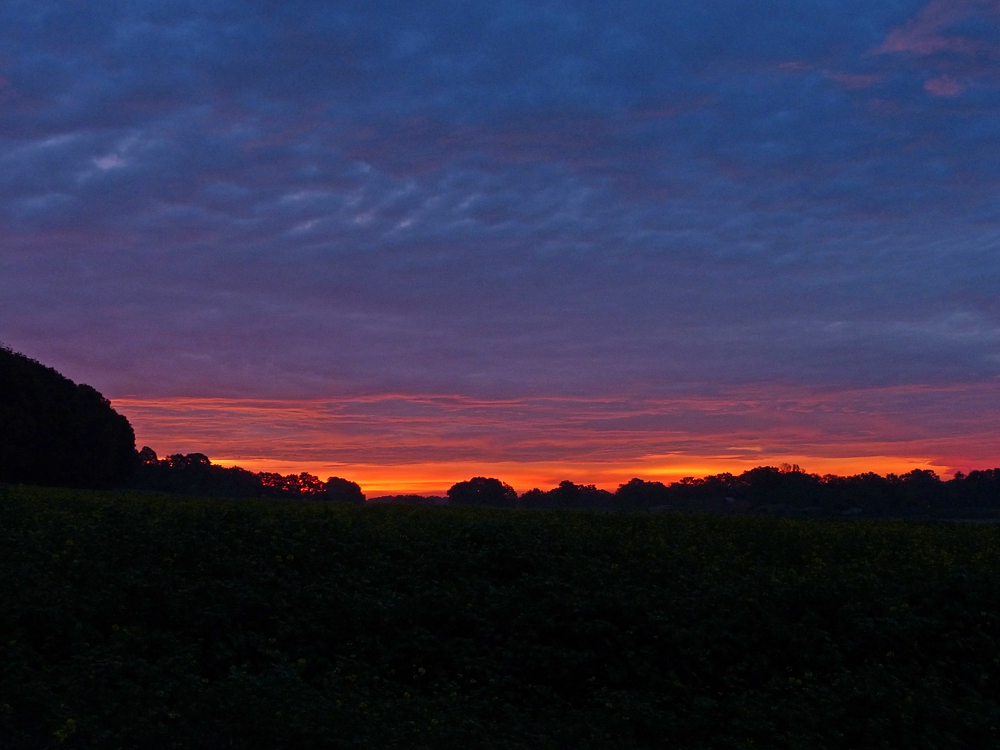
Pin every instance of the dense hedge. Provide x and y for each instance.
(141, 622)
(55, 432)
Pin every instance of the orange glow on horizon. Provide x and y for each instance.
(435, 479)
(402, 444)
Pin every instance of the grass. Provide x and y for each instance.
(158, 622)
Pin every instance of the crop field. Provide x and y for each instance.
(144, 621)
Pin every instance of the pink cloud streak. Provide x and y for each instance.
(944, 86)
(397, 443)
(923, 34)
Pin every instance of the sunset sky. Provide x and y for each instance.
(411, 242)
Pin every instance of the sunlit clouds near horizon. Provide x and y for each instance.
(558, 240)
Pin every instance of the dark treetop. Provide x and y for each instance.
(55, 432)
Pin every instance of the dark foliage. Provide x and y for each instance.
(568, 495)
(765, 489)
(343, 491)
(788, 489)
(57, 433)
(195, 474)
(640, 495)
(408, 500)
(483, 491)
(130, 621)
(292, 485)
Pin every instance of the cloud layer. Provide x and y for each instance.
(503, 200)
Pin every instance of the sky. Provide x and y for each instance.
(409, 243)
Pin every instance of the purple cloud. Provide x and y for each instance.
(500, 200)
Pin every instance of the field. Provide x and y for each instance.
(139, 621)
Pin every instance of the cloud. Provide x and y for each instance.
(934, 30)
(500, 200)
(958, 40)
(943, 86)
(411, 442)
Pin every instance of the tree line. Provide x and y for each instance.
(195, 474)
(768, 489)
(55, 432)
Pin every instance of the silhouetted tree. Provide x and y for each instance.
(343, 491)
(693, 494)
(979, 489)
(922, 489)
(786, 485)
(868, 492)
(568, 495)
(55, 432)
(482, 491)
(534, 498)
(296, 485)
(193, 474)
(147, 456)
(571, 495)
(637, 494)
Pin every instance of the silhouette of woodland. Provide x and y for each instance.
(54, 432)
(789, 490)
(765, 489)
(57, 433)
(195, 474)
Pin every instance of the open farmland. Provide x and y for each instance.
(155, 622)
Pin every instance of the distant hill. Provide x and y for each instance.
(58, 433)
